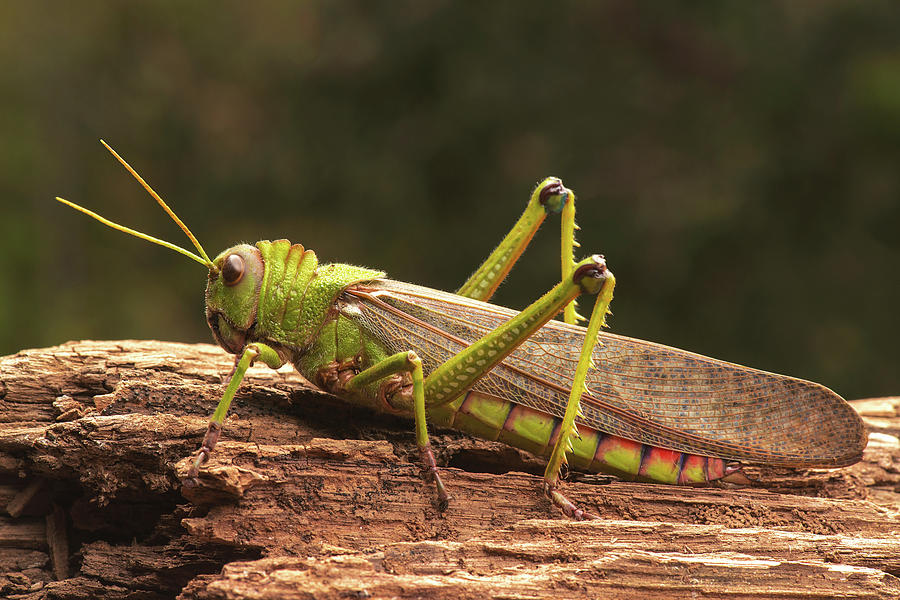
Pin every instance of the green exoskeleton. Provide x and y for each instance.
(598, 402)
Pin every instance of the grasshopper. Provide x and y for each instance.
(595, 402)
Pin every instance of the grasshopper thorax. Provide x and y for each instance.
(274, 292)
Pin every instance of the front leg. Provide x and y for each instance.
(250, 354)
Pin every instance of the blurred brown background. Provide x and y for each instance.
(737, 162)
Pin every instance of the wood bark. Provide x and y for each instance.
(306, 497)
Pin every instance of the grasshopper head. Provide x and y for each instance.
(232, 295)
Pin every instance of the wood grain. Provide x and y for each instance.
(308, 498)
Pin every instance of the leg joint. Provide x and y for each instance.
(553, 195)
(396, 394)
(591, 273)
(413, 359)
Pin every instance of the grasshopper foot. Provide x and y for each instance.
(733, 474)
(565, 505)
(430, 470)
(202, 457)
(209, 442)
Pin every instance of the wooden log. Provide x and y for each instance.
(307, 497)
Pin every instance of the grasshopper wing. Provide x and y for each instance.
(647, 392)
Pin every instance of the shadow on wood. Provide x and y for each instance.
(307, 497)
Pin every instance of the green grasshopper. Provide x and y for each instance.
(599, 403)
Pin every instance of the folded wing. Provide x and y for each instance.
(639, 390)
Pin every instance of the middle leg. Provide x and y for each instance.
(408, 362)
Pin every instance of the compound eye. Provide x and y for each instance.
(232, 269)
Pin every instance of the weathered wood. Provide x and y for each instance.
(332, 497)
(23, 533)
(619, 574)
(24, 497)
(58, 542)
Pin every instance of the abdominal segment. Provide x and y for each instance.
(492, 418)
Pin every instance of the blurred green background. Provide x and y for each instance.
(737, 162)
